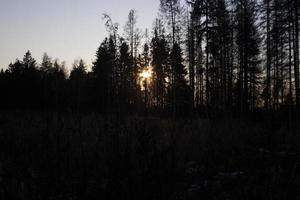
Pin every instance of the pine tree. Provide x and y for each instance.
(46, 65)
(180, 89)
(127, 80)
(296, 6)
(160, 55)
(171, 10)
(78, 77)
(103, 68)
(248, 49)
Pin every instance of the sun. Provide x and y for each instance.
(146, 74)
(145, 77)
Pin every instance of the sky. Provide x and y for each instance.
(65, 29)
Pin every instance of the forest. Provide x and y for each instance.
(204, 105)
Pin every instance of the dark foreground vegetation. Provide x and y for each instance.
(88, 156)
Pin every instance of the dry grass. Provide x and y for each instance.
(70, 156)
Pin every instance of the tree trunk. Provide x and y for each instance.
(296, 52)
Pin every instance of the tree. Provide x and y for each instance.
(112, 27)
(248, 50)
(58, 86)
(104, 71)
(180, 89)
(30, 87)
(145, 55)
(78, 78)
(17, 68)
(46, 65)
(296, 6)
(28, 61)
(172, 10)
(127, 82)
(224, 48)
(277, 16)
(133, 37)
(211, 44)
(78, 70)
(267, 10)
(195, 40)
(132, 34)
(161, 69)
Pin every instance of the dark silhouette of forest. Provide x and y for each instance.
(219, 56)
(204, 105)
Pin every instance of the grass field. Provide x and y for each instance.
(88, 156)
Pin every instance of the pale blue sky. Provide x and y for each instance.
(65, 29)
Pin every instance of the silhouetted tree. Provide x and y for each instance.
(172, 11)
(127, 82)
(133, 37)
(180, 88)
(228, 67)
(248, 50)
(78, 80)
(161, 69)
(103, 68)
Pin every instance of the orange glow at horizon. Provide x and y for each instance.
(145, 75)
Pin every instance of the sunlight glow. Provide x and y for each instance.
(146, 74)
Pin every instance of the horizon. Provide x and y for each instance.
(64, 32)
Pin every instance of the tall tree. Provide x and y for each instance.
(171, 9)
(131, 32)
(296, 50)
(133, 37)
(78, 78)
(248, 50)
(160, 55)
(46, 65)
(180, 89)
(103, 68)
(127, 80)
(191, 55)
(267, 9)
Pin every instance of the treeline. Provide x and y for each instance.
(244, 53)
(223, 56)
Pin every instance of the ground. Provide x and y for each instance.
(90, 156)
